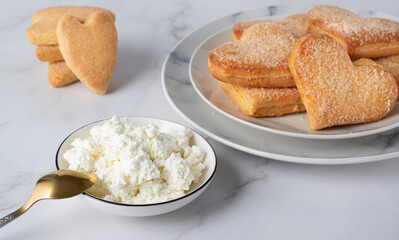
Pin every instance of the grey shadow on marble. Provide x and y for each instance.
(16, 190)
(386, 170)
(130, 63)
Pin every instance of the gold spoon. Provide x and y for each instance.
(55, 185)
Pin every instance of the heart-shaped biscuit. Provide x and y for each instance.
(89, 49)
(333, 89)
(362, 37)
(239, 28)
(296, 22)
(44, 22)
(49, 53)
(258, 59)
(391, 65)
(264, 102)
(59, 74)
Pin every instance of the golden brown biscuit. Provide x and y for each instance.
(50, 53)
(335, 91)
(59, 75)
(296, 22)
(44, 28)
(391, 65)
(89, 49)
(361, 37)
(239, 28)
(258, 59)
(264, 102)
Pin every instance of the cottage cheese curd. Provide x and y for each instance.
(135, 164)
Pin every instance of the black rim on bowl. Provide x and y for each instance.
(150, 204)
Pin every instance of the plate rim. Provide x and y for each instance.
(280, 157)
(275, 131)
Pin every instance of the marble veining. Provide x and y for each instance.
(272, 10)
(178, 21)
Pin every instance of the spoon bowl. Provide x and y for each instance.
(63, 184)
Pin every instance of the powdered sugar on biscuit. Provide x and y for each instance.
(239, 28)
(391, 65)
(334, 91)
(352, 29)
(271, 94)
(297, 23)
(265, 45)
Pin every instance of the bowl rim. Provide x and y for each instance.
(150, 204)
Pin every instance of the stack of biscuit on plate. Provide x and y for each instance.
(304, 62)
(253, 69)
(78, 42)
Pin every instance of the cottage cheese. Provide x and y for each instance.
(137, 165)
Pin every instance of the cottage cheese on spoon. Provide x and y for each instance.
(137, 164)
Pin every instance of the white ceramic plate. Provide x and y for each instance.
(182, 96)
(295, 125)
(139, 210)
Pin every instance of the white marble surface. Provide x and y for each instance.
(251, 197)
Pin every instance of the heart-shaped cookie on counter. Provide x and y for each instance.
(333, 89)
(362, 37)
(44, 22)
(89, 48)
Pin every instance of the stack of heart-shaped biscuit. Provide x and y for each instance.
(304, 62)
(78, 42)
(253, 69)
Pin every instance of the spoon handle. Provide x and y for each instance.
(9, 218)
(12, 216)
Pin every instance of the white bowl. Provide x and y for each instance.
(139, 210)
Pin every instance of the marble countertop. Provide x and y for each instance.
(250, 197)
